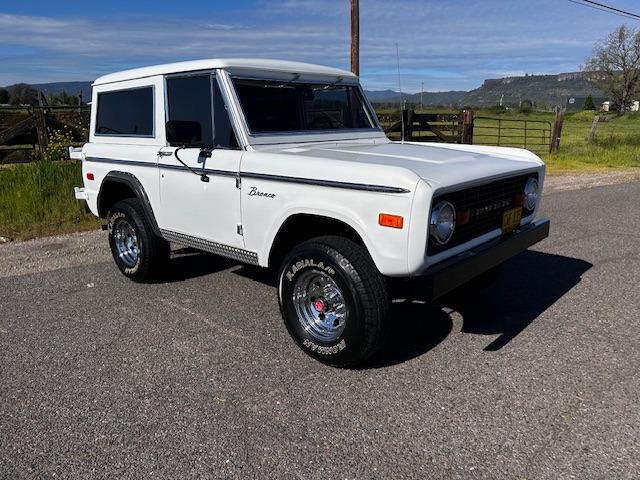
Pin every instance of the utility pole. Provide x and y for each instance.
(355, 37)
(421, 92)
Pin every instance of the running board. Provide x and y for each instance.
(234, 253)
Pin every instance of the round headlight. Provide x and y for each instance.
(442, 222)
(531, 191)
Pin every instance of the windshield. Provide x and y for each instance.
(276, 106)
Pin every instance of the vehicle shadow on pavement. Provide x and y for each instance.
(528, 285)
(415, 328)
(189, 263)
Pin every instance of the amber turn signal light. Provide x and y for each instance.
(393, 221)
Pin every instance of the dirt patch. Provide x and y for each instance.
(577, 181)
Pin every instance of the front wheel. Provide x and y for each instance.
(333, 300)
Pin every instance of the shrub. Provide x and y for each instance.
(584, 116)
(59, 143)
(526, 106)
(497, 109)
(588, 103)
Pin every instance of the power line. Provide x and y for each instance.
(612, 8)
(606, 8)
(632, 16)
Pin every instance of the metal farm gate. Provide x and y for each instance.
(540, 136)
(534, 135)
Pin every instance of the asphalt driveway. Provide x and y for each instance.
(536, 378)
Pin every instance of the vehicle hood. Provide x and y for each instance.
(438, 164)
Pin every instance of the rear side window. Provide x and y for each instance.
(126, 112)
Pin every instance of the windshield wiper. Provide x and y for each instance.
(329, 85)
(296, 76)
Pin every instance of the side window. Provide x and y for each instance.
(224, 136)
(189, 100)
(125, 112)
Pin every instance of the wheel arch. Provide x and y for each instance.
(117, 186)
(301, 226)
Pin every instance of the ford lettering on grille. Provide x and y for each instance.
(491, 207)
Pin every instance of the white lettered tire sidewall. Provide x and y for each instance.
(153, 251)
(349, 342)
(114, 216)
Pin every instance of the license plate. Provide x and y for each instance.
(511, 220)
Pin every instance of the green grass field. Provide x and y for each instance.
(616, 144)
(36, 199)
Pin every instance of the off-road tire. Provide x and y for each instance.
(364, 291)
(153, 251)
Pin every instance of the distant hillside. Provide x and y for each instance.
(72, 88)
(547, 90)
(544, 90)
(376, 96)
(428, 98)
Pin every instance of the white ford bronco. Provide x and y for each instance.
(284, 164)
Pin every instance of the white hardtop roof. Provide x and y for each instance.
(227, 63)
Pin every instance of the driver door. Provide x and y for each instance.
(208, 210)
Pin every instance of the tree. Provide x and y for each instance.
(22, 94)
(4, 96)
(588, 103)
(526, 106)
(615, 66)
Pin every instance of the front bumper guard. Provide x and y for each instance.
(449, 274)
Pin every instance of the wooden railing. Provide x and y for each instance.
(430, 127)
(26, 129)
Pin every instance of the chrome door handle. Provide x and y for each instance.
(162, 153)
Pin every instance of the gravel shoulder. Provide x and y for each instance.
(52, 253)
(576, 181)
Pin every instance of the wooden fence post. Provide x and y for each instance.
(407, 119)
(467, 127)
(41, 128)
(557, 132)
(594, 126)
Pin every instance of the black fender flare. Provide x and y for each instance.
(132, 182)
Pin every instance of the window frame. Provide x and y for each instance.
(127, 135)
(167, 112)
(214, 76)
(337, 134)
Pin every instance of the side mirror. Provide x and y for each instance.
(184, 133)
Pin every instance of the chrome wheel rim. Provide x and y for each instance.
(320, 305)
(126, 242)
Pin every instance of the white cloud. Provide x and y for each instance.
(449, 45)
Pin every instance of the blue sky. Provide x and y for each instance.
(447, 44)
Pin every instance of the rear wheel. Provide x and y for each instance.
(333, 300)
(139, 254)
